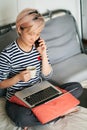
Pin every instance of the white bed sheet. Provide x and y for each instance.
(77, 120)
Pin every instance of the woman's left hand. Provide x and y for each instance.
(42, 47)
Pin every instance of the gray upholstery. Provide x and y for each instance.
(64, 50)
(71, 70)
(60, 35)
(7, 38)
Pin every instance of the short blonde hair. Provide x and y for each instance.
(28, 18)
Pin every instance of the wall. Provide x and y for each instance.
(84, 18)
(44, 5)
(9, 9)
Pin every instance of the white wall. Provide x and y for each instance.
(43, 5)
(10, 9)
(84, 18)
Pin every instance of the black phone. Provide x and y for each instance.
(37, 42)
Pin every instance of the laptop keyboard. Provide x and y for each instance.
(42, 96)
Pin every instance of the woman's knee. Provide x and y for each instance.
(74, 87)
(77, 89)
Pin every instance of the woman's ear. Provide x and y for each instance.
(19, 30)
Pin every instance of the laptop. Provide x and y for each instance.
(38, 93)
(47, 101)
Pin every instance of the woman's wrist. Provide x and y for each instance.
(17, 77)
(44, 55)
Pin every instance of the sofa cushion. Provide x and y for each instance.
(70, 70)
(7, 38)
(61, 38)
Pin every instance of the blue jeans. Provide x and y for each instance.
(23, 116)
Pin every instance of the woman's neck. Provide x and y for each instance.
(23, 45)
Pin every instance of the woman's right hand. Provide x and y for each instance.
(24, 76)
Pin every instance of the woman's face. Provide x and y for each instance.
(29, 37)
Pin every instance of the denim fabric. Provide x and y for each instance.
(22, 116)
(71, 87)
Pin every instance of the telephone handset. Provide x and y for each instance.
(37, 42)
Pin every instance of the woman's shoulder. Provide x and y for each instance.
(9, 47)
(8, 50)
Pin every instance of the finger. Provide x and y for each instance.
(26, 72)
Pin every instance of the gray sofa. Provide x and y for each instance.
(69, 62)
(65, 49)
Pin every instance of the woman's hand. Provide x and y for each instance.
(42, 47)
(46, 67)
(24, 76)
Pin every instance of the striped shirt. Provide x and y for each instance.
(13, 60)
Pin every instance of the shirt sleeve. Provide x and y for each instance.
(50, 74)
(4, 65)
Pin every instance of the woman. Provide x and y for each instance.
(18, 56)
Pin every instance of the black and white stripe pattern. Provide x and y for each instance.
(13, 60)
